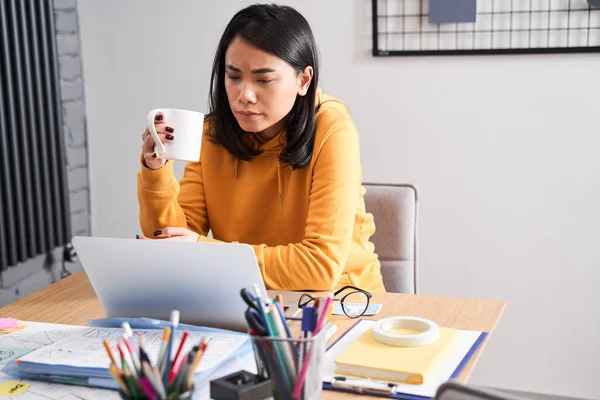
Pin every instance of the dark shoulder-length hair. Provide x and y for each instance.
(285, 33)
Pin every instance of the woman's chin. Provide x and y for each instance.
(248, 126)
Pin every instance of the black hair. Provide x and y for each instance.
(285, 33)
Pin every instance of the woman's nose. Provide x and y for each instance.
(247, 94)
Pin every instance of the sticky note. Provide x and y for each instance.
(8, 323)
(452, 11)
(10, 388)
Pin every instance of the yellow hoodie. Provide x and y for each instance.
(308, 226)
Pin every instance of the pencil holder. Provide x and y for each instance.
(294, 366)
(188, 395)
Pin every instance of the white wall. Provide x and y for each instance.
(503, 150)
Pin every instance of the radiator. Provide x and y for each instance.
(34, 197)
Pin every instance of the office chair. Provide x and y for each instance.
(460, 391)
(394, 208)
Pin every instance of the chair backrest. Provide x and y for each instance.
(459, 391)
(394, 209)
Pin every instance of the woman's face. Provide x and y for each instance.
(261, 88)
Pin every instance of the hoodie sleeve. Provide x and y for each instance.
(317, 262)
(165, 202)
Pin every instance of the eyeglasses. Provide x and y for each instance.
(354, 303)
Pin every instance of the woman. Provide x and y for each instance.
(279, 165)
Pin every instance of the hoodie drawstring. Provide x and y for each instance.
(279, 183)
(236, 164)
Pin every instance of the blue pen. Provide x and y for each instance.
(167, 371)
(309, 319)
(278, 303)
(276, 346)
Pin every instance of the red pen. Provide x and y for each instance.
(178, 360)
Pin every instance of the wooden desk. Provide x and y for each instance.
(72, 301)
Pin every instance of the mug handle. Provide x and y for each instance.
(152, 129)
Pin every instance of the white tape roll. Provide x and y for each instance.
(429, 331)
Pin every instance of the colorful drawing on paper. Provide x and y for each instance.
(7, 355)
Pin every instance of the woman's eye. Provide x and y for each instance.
(233, 78)
(264, 80)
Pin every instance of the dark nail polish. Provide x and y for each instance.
(159, 117)
(157, 233)
(154, 155)
(170, 137)
(169, 129)
(137, 236)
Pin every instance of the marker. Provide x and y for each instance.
(174, 323)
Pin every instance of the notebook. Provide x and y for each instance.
(367, 357)
(452, 366)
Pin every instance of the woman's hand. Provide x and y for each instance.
(174, 233)
(165, 133)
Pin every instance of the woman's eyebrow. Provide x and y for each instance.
(263, 70)
(254, 71)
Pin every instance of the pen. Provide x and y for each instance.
(266, 316)
(196, 361)
(114, 371)
(147, 388)
(364, 385)
(179, 358)
(127, 336)
(110, 353)
(127, 360)
(167, 371)
(163, 348)
(285, 347)
(153, 379)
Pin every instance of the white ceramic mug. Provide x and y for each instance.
(188, 134)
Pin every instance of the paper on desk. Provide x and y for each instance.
(428, 389)
(34, 336)
(147, 323)
(85, 349)
(44, 391)
(37, 335)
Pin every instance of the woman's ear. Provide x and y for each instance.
(304, 79)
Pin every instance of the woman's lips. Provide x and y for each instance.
(248, 115)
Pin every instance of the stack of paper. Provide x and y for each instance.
(82, 359)
(36, 335)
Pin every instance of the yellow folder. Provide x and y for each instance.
(368, 358)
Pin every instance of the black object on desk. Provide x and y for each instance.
(241, 385)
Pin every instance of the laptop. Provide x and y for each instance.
(149, 278)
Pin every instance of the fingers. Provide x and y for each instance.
(171, 231)
(165, 135)
(159, 118)
(149, 143)
(172, 238)
(164, 131)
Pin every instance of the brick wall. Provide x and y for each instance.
(26, 278)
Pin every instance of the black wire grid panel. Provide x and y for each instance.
(402, 28)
